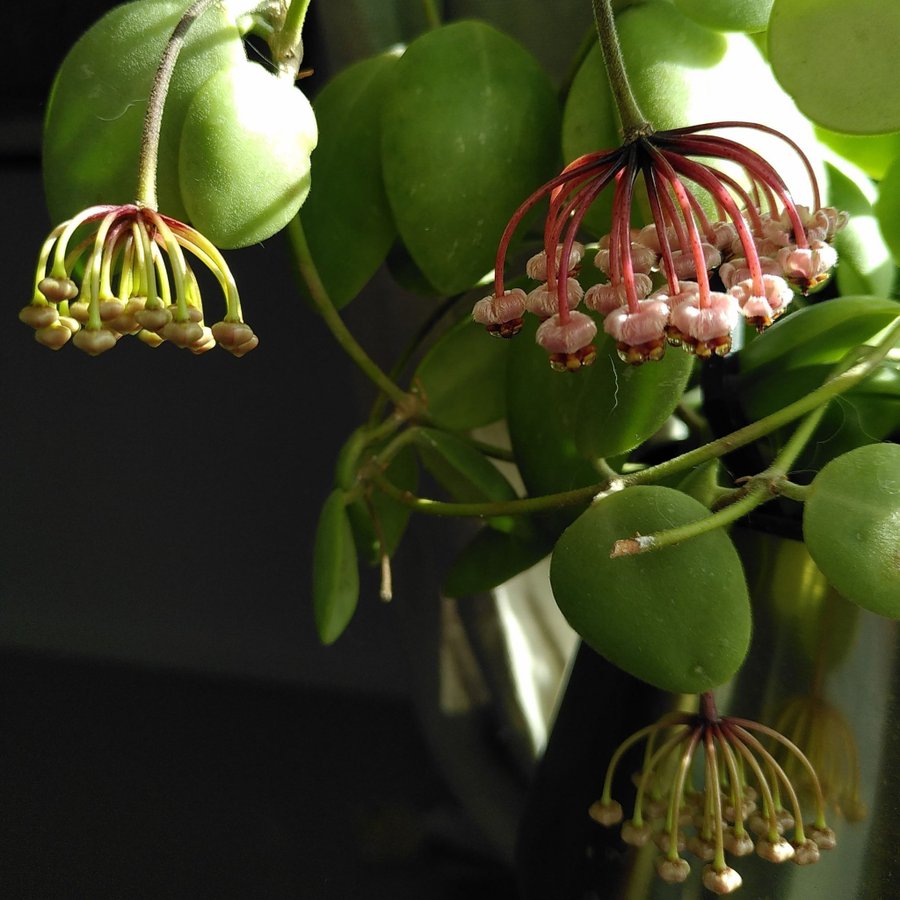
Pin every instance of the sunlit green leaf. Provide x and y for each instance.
(346, 218)
(470, 128)
(463, 378)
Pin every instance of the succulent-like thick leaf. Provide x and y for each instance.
(859, 95)
(864, 260)
(335, 573)
(464, 472)
(463, 378)
(622, 405)
(491, 558)
(542, 408)
(347, 218)
(470, 128)
(820, 333)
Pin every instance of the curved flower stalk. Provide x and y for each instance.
(687, 278)
(745, 798)
(127, 273)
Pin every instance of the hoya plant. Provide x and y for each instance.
(655, 299)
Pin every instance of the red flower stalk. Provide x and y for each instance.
(763, 246)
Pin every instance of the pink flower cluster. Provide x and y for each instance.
(719, 249)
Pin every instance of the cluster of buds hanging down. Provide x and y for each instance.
(745, 800)
(116, 270)
(687, 278)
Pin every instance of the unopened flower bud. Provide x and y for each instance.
(806, 852)
(536, 267)
(569, 344)
(737, 844)
(778, 851)
(672, 871)
(544, 302)
(58, 289)
(640, 335)
(153, 319)
(53, 336)
(181, 334)
(94, 341)
(705, 330)
(606, 813)
(636, 835)
(721, 881)
(502, 316)
(38, 315)
(604, 298)
(824, 837)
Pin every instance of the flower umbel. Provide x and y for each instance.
(116, 270)
(740, 804)
(660, 283)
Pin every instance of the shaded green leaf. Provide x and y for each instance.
(491, 558)
(820, 333)
(335, 573)
(460, 469)
(470, 128)
(463, 378)
(347, 218)
(622, 405)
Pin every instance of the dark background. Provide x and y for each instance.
(169, 724)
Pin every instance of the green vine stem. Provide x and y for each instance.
(851, 371)
(432, 13)
(759, 489)
(286, 44)
(407, 404)
(149, 153)
(634, 122)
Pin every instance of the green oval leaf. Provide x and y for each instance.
(347, 218)
(464, 472)
(542, 408)
(851, 524)
(335, 573)
(622, 405)
(95, 114)
(677, 617)
(463, 378)
(470, 128)
(491, 558)
(859, 93)
(820, 333)
(864, 260)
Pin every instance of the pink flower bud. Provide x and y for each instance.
(536, 267)
(705, 330)
(640, 335)
(502, 316)
(807, 267)
(543, 301)
(604, 298)
(569, 344)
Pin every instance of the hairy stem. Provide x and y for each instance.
(149, 153)
(634, 122)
